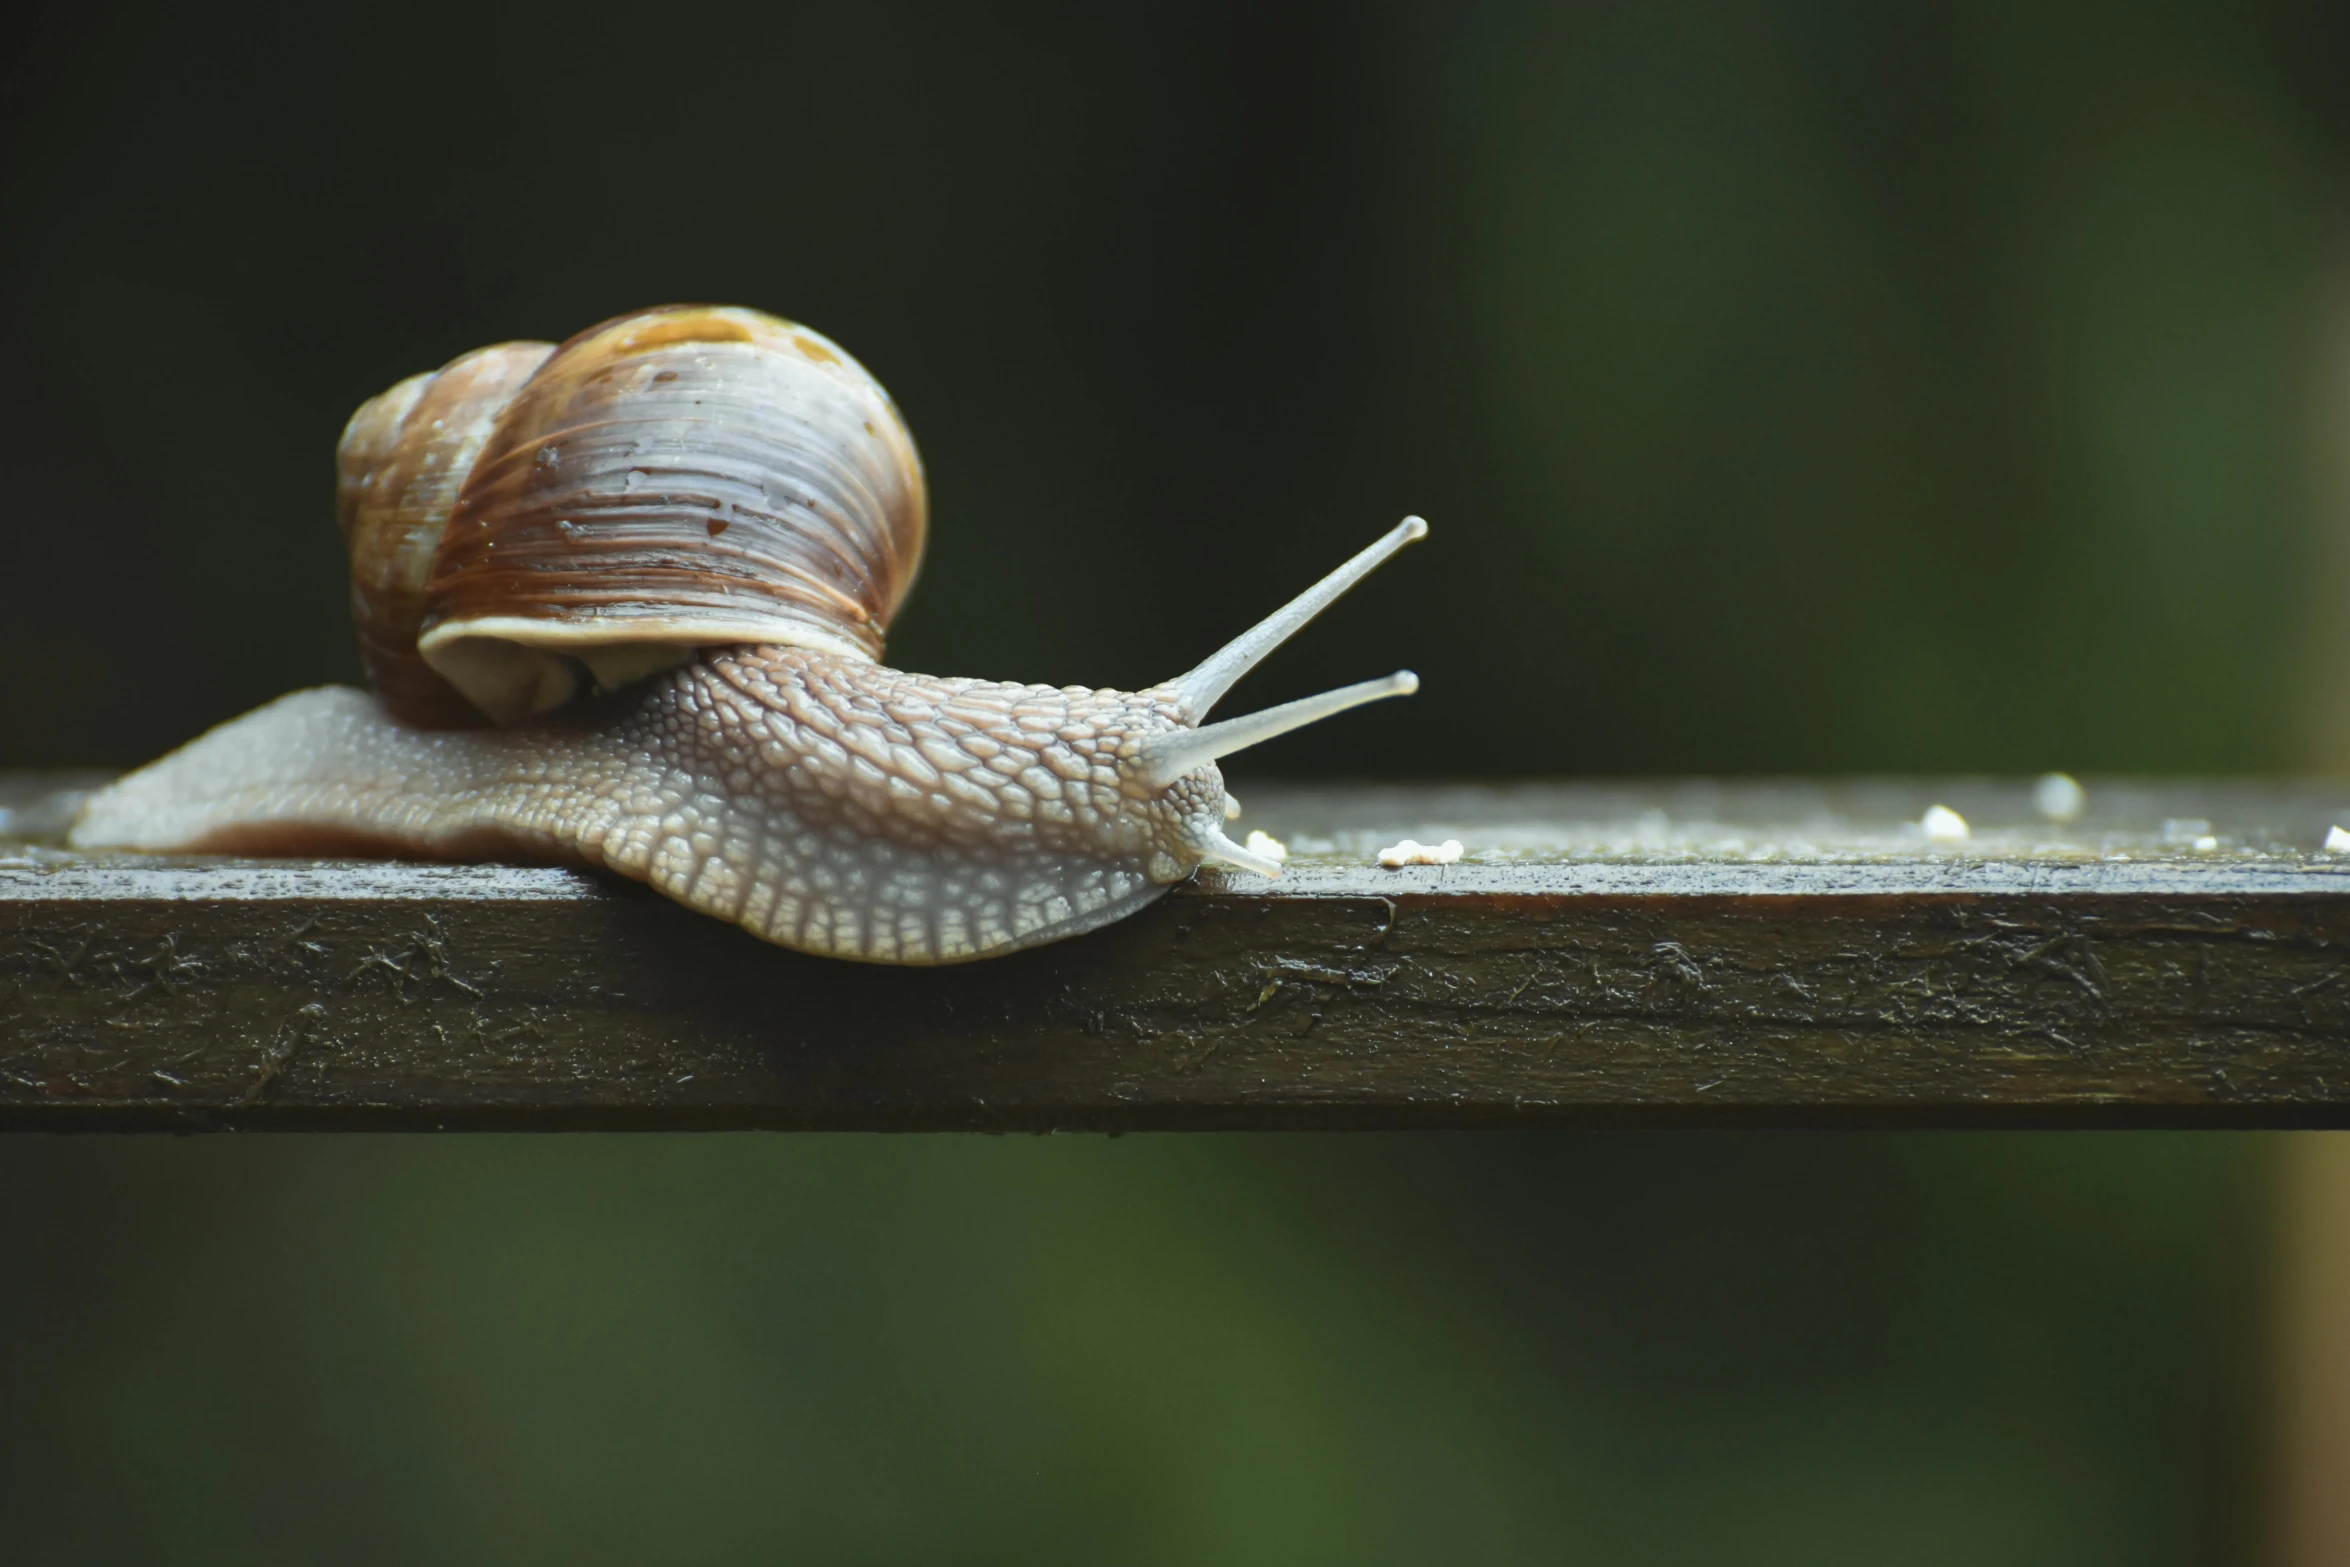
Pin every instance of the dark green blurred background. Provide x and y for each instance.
(1792, 386)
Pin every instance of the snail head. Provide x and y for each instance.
(1178, 763)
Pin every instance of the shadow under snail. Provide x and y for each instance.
(622, 602)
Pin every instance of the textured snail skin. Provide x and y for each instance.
(821, 802)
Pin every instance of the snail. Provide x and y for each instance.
(622, 603)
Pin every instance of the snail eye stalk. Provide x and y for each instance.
(1205, 686)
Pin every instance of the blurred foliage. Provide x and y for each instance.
(1160, 1349)
(1938, 385)
(1810, 385)
(1807, 385)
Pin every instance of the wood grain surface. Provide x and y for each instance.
(1671, 953)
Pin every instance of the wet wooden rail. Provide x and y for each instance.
(1682, 954)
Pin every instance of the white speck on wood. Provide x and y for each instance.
(1412, 852)
(1264, 843)
(2059, 797)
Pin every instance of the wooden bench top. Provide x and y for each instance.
(1789, 954)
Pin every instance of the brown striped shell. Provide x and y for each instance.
(530, 520)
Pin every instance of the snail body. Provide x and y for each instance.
(623, 602)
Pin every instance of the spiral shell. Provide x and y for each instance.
(673, 479)
(402, 460)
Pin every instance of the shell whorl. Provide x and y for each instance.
(402, 460)
(673, 479)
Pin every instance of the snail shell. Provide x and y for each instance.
(529, 520)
